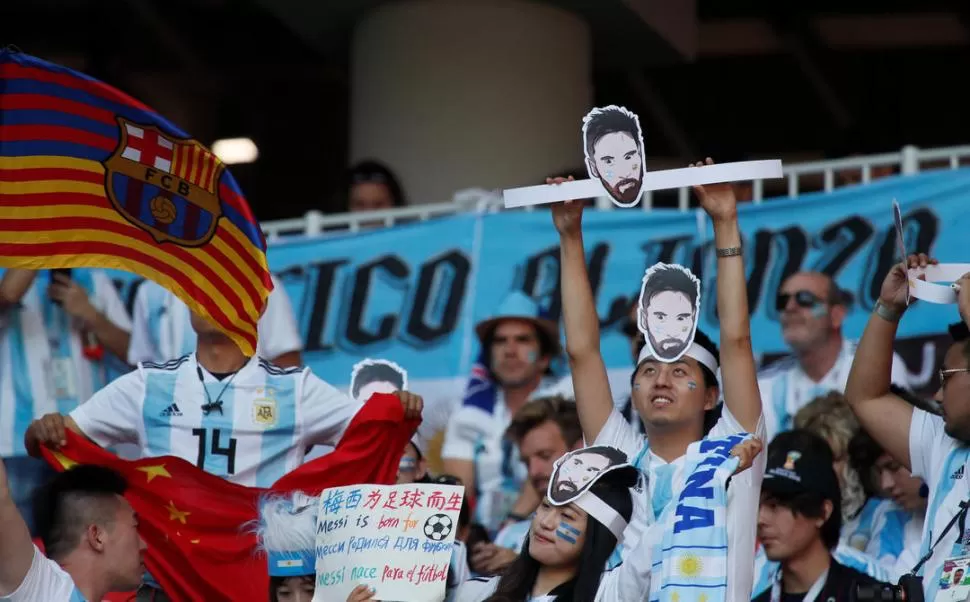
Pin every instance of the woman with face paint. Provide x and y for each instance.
(573, 536)
(675, 394)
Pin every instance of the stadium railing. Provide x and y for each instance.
(819, 175)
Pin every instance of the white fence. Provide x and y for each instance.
(820, 175)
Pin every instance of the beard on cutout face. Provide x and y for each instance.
(626, 190)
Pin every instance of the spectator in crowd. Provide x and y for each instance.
(891, 524)
(799, 521)
(673, 398)
(372, 186)
(58, 331)
(543, 431)
(811, 308)
(959, 334)
(89, 531)
(233, 416)
(162, 328)
(830, 417)
(934, 448)
(518, 342)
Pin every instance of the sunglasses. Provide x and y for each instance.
(802, 299)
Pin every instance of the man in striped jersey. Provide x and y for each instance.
(55, 327)
(238, 417)
(162, 331)
(811, 309)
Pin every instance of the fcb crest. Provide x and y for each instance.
(167, 186)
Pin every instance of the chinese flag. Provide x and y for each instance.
(194, 522)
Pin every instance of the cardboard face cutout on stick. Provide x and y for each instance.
(577, 471)
(613, 146)
(376, 376)
(667, 313)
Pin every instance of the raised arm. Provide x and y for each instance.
(738, 372)
(886, 416)
(591, 386)
(16, 548)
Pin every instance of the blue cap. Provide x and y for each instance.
(519, 306)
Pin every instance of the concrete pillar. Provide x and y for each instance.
(455, 95)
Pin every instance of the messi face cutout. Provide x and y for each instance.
(376, 376)
(575, 472)
(613, 145)
(667, 312)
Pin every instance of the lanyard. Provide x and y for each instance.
(810, 595)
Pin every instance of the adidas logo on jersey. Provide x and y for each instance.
(957, 474)
(171, 411)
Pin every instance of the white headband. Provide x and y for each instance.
(929, 290)
(605, 514)
(703, 356)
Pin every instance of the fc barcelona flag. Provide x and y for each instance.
(90, 177)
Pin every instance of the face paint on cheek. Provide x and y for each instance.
(567, 532)
(691, 385)
(532, 356)
(819, 310)
(636, 386)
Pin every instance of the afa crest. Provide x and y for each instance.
(791, 458)
(167, 186)
(265, 411)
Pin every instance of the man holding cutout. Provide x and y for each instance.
(935, 448)
(673, 398)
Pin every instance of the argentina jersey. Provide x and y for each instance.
(941, 461)
(162, 328)
(251, 428)
(786, 388)
(42, 365)
(880, 530)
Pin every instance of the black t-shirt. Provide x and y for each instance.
(838, 587)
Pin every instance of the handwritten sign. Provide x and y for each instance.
(397, 539)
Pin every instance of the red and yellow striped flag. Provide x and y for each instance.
(90, 177)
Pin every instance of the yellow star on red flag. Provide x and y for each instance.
(155, 471)
(176, 514)
(66, 462)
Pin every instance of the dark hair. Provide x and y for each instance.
(518, 579)
(864, 451)
(276, 582)
(377, 173)
(71, 502)
(959, 331)
(544, 409)
(608, 121)
(670, 278)
(812, 505)
(377, 373)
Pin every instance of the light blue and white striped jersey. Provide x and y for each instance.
(765, 571)
(941, 461)
(162, 329)
(42, 365)
(267, 418)
(664, 479)
(785, 388)
(46, 581)
(882, 531)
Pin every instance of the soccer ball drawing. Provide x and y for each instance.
(438, 527)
